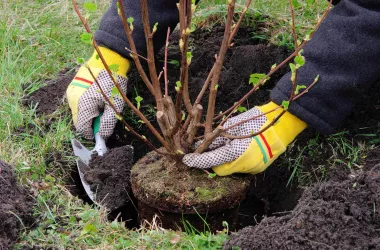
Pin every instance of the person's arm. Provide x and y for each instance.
(345, 52)
(111, 33)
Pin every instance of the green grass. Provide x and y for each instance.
(278, 29)
(37, 40)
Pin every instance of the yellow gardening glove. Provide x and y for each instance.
(251, 155)
(85, 100)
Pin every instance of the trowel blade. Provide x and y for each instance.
(83, 168)
(81, 151)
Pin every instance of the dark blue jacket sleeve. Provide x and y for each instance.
(345, 52)
(111, 32)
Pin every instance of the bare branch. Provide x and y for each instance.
(128, 32)
(150, 54)
(166, 64)
(236, 28)
(217, 69)
(83, 20)
(135, 54)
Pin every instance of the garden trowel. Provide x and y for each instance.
(85, 156)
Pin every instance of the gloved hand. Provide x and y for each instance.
(85, 100)
(252, 155)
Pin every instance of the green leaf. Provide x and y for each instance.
(273, 66)
(255, 79)
(183, 115)
(90, 6)
(115, 92)
(316, 78)
(155, 27)
(193, 27)
(299, 60)
(285, 104)
(89, 228)
(118, 8)
(298, 88)
(130, 20)
(174, 62)
(293, 68)
(138, 99)
(118, 117)
(241, 109)
(140, 121)
(178, 84)
(211, 175)
(80, 60)
(86, 38)
(114, 67)
(295, 3)
(216, 87)
(189, 56)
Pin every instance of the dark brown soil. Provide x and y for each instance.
(109, 177)
(329, 215)
(51, 96)
(15, 205)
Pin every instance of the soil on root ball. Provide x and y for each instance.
(329, 215)
(15, 207)
(176, 193)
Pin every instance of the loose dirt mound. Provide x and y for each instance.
(49, 97)
(330, 215)
(15, 207)
(109, 177)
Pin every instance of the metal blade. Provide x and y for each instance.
(81, 151)
(83, 168)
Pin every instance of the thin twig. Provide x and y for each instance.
(135, 54)
(236, 28)
(166, 64)
(150, 54)
(217, 70)
(139, 67)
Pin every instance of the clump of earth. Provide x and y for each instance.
(109, 177)
(15, 207)
(329, 215)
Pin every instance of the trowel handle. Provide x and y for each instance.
(96, 124)
(100, 144)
